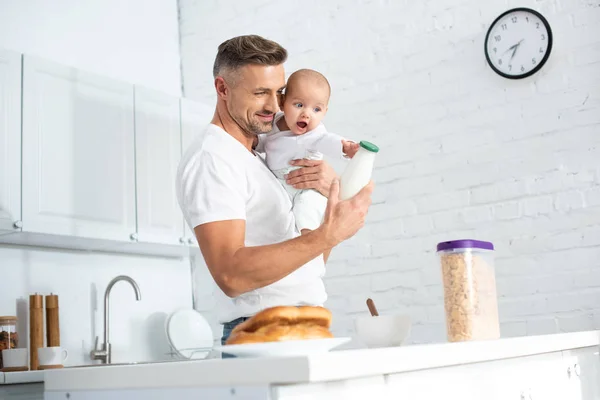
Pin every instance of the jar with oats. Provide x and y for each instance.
(470, 298)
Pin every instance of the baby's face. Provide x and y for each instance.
(305, 105)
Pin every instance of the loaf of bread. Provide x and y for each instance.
(283, 323)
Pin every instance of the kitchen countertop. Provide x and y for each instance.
(335, 365)
(11, 378)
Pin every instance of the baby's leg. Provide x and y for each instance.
(309, 209)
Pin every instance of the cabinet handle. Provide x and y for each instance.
(18, 224)
(182, 240)
(190, 241)
(133, 236)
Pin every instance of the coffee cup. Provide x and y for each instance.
(14, 358)
(52, 355)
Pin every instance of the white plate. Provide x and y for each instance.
(283, 348)
(190, 334)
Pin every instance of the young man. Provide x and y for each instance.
(240, 213)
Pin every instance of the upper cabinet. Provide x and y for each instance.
(88, 162)
(10, 141)
(158, 151)
(78, 153)
(195, 117)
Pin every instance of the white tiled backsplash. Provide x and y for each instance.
(79, 279)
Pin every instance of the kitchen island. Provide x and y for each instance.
(558, 366)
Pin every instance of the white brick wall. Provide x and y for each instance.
(465, 152)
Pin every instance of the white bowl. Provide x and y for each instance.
(383, 330)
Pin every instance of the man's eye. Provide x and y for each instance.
(259, 93)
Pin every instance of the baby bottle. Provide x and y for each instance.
(358, 171)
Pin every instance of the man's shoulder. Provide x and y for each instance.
(209, 153)
(211, 143)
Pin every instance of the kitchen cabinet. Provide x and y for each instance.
(10, 141)
(157, 152)
(78, 153)
(195, 116)
(89, 162)
(548, 367)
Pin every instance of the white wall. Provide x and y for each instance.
(138, 42)
(80, 279)
(133, 40)
(465, 153)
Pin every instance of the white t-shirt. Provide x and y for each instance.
(281, 147)
(219, 179)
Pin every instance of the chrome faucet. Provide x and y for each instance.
(104, 354)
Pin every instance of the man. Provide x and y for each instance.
(240, 214)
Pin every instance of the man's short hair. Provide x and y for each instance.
(245, 50)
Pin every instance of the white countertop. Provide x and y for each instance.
(11, 378)
(335, 365)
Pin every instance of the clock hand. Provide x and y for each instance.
(513, 47)
(516, 46)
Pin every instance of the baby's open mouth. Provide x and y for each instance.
(302, 124)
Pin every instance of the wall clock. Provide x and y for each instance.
(518, 43)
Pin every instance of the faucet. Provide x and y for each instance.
(104, 354)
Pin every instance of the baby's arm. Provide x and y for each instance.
(349, 148)
(336, 146)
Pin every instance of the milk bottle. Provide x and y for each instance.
(358, 171)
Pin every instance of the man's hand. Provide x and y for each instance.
(349, 148)
(344, 218)
(316, 174)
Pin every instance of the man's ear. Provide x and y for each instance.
(221, 87)
(281, 100)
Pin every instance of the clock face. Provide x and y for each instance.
(518, 43)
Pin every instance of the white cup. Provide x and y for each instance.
(14, 358)
(52, 355)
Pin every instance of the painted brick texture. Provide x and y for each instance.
(466, 153)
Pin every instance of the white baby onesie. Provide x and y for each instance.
(281, 147)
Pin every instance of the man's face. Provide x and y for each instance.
(253, 97)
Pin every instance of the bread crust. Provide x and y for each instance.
(280, 333)
(283, 323)
(286, 315)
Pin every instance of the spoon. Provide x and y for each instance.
(372, 308)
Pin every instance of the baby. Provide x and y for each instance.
(298, 133)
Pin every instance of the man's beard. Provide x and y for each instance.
(253, 128)
(258, 127)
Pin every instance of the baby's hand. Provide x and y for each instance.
(349, 148)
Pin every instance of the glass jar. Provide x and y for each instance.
(470, 297)
(9, 339)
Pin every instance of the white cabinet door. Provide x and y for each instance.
(10, 141)
(195, 117)
(78, 153)
(158, 151)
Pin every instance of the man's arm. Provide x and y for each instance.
(316, 174)
(238, 269)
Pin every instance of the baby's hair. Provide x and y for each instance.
(310, 74)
